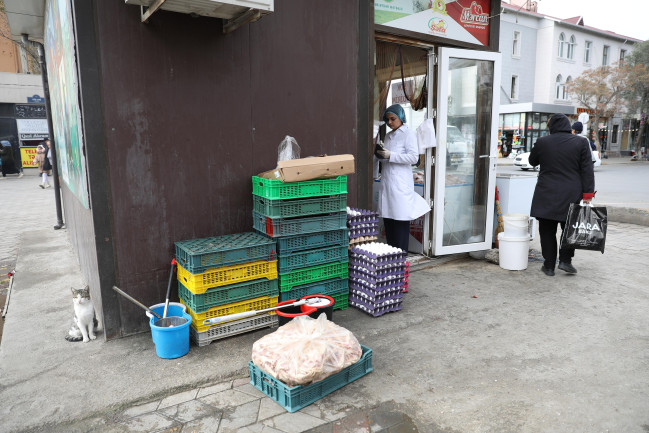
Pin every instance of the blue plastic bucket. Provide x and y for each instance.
(175, 309)
(171, 342)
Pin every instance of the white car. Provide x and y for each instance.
(523, 161)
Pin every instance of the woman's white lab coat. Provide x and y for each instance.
(397, 197)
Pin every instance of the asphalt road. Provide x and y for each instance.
(618, 182)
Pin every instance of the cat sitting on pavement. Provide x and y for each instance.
(84, 324)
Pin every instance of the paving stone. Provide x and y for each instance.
(269, 408)
(249, 389)
(240, 381)
(213, 389)
(405, 427)
(181, 397)
(189, 411)
(294, 422)
(149, 422)
(327, 412)
(381, 419)
(243, 415)
(139, 410)
(357, 422)
(208, 424)
(228, 399)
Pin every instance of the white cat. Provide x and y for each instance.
(83, 327)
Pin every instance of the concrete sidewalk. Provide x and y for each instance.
(475, 349)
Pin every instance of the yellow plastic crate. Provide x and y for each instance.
(235, 307)
(199, 283)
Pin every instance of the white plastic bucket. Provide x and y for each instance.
(515, 225)
(513, 252)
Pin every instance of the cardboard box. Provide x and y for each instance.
(317, 167)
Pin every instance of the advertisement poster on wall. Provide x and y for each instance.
(459, 20)
(64, 92)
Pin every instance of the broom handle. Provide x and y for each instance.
(235, 316)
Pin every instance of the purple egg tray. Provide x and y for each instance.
(365, 217)
(379, 274)
(377, 297)
(363, 262)
(373, 279)
(373, 310)
(377, 287)
(381, 259)
(357, 232)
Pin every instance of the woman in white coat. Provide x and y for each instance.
(398, 201)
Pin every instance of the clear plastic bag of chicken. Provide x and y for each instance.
(306, 350)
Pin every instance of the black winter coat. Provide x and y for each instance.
(566, 170)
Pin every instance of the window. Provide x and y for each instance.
(622, 56)
(514, 89)
(587, 47)
(562, 43)
(605, 56)
(564, 91)
(571, 48)
(558, 87)
(516, 44)
(615, 131)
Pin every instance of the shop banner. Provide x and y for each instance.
(460, 20)
(32, 129)
(27, 154)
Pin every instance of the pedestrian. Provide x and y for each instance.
(8, 165)
(398, 201)
(566, 176)
(44, 165)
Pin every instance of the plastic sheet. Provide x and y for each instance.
(306, 350)
(288, 149)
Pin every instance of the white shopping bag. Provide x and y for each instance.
(426, 135)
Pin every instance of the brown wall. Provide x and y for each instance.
(190, 114)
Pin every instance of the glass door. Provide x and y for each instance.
(465, 158)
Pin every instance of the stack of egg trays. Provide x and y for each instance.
(230, 263)
(365, 224)
(406, 277)
(376, 281)
(308, 220)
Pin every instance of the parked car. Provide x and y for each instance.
(523, 161)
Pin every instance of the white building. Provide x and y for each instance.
(540, 55)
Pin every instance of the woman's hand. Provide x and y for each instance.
(384, 154)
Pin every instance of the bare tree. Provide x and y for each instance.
(599, 90)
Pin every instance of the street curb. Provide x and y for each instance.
(628, 215)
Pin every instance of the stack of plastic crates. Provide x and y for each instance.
(363, 226)
(308, 219)
(224, 275)
(376, 278)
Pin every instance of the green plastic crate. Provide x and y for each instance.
(299, 207)
(200, 303)
(342, 301)
(276, 189)
(302, 276)
(309, 241)
(328, 287)
(288, 262)
(199, 255)
(278, 227)
(296, 397)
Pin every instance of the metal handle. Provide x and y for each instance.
(135, 301)
(486, 156)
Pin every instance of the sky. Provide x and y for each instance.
(625, 17)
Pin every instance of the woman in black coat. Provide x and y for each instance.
(566, 176)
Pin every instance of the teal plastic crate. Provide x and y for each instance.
(199, 255)
(297, 397)
(277, 227)
(288, 262)
(299, 207)
(328, 287)
(222, 295)
(302, 276)
(276, 189)
(309, 241)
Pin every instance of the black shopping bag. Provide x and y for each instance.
(585, 228)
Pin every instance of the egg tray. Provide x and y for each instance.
(361, 261)
(366, 217)
(380, 259)
(373, 310)
(379, 274)
(377, 298)
(363, 231)
(357, 283)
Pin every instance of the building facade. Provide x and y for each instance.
(541, 55)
